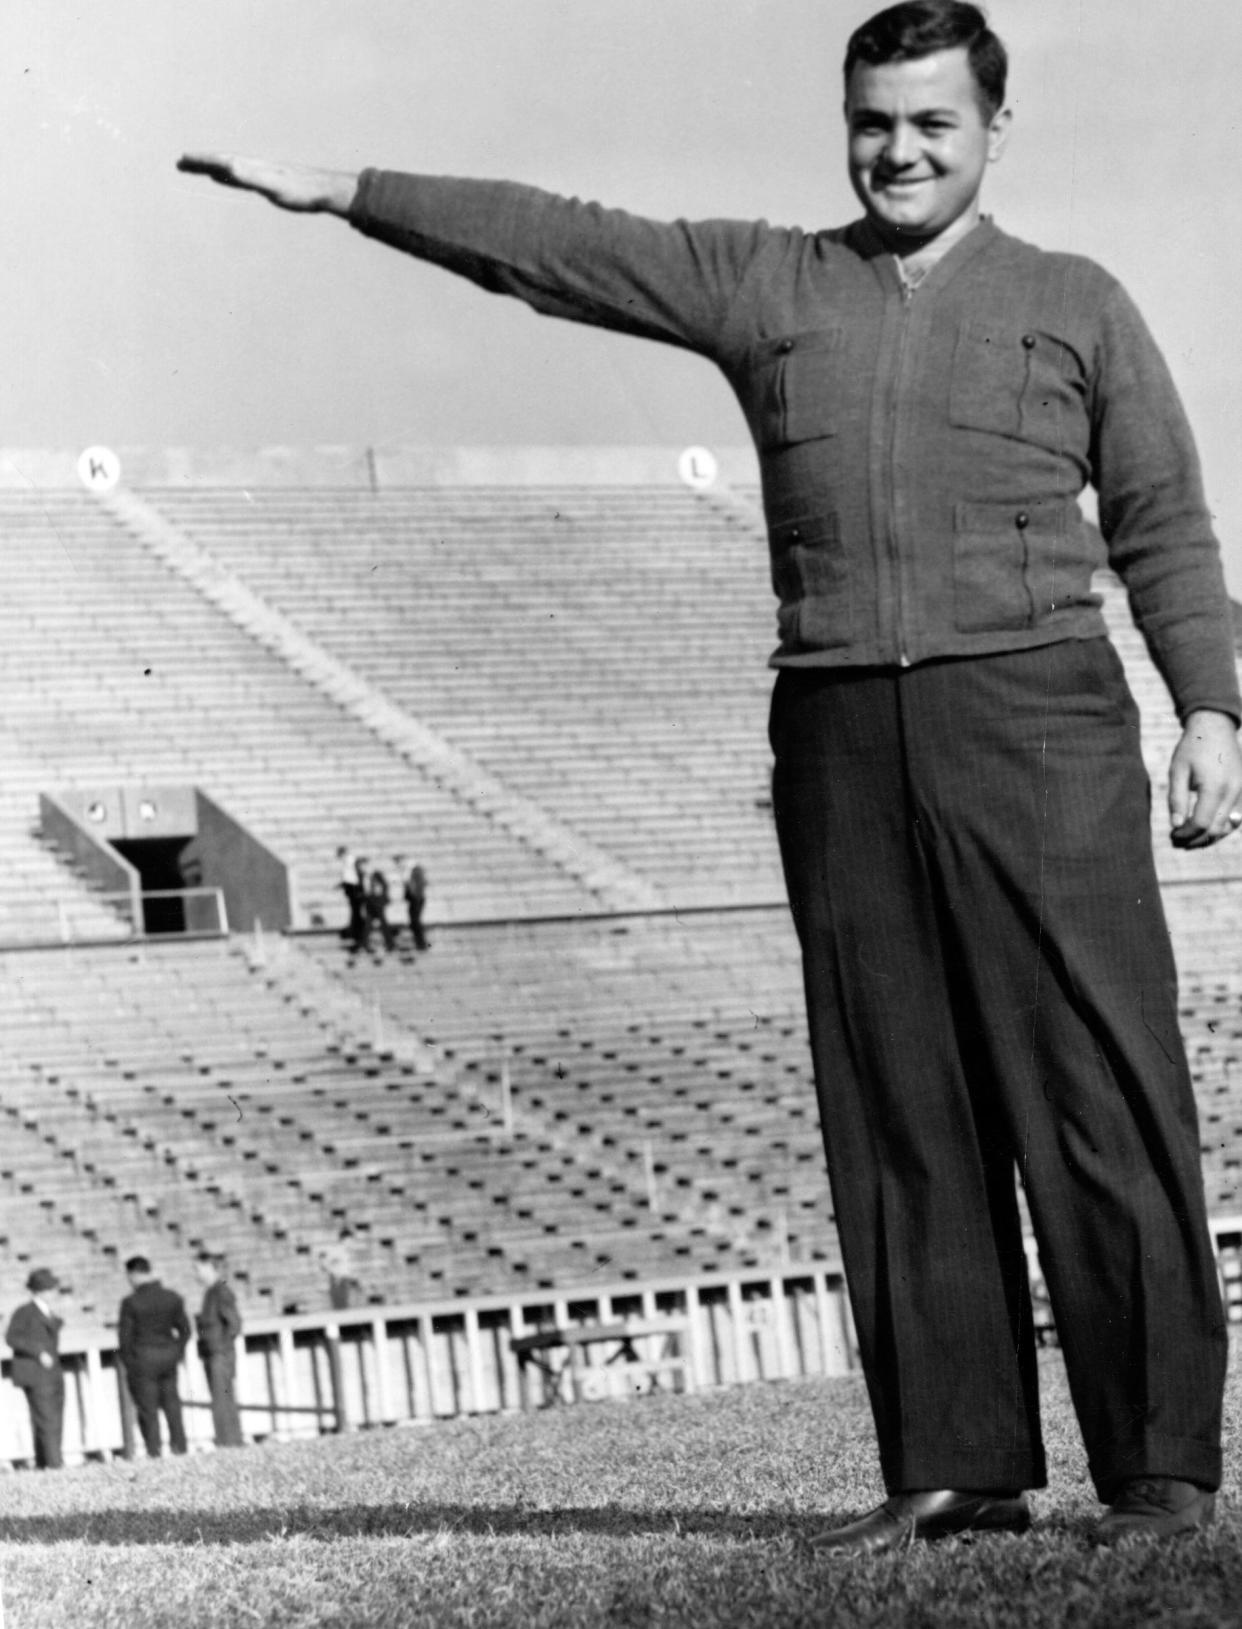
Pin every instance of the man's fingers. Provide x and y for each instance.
(1219, 797)
(1179, 791)
(1228, 817)
(1211, 818)
(298, 187)
(1205, 780)
(219, 166)
(231, 170)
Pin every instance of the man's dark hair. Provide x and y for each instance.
(918, 28)
(137, 1264)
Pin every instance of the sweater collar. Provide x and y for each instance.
(866, 242)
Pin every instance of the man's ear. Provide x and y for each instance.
(998, 134)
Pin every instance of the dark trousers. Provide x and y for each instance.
(990, 985)
(221, 1370)
(153, 1386)
(45, 1399)
(355, 929)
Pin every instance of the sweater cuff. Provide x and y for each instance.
(360, 206)
(1229, 706)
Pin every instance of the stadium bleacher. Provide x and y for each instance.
(600, 1070)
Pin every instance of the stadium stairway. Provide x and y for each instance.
(611, 884)
(601, 651)
(116, 671)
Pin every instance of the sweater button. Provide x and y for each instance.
(1022, 520)
(785, 346)
(795, 532)
(1028, 342)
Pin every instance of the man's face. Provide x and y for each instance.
(919, 143)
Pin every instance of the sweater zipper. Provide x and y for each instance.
(903, 654)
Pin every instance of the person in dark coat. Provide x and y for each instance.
(360, 905)
(416, 900)
(152, 1336)
(219, 1325)
(34, 1335)
(351, 886)
(378, 898)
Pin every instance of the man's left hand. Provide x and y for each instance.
(1205, 781)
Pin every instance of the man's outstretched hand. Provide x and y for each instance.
(288, 186)
(1205, 781)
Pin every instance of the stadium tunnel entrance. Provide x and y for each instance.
(169, 858)
(165, 880)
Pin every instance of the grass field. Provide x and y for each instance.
(687, 1511)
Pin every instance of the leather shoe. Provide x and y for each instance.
(931, 1513)
(1157, 1505)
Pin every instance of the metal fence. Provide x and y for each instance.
(149, 911)
(399, 1365)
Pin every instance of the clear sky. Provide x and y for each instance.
(141, 306)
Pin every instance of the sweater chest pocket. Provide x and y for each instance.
(796, 381)
(1025, 384)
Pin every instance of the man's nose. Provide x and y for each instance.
(902, 148)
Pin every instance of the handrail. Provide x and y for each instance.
(144, 894)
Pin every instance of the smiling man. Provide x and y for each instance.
(922, 132)
(960, 800)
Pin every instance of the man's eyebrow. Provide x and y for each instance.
(863, 111)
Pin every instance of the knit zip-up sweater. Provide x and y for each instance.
(921, 454)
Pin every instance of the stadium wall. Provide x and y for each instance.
(375, 468)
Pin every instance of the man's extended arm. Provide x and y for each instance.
(671, 281)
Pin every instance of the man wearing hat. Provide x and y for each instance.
(34, 1335)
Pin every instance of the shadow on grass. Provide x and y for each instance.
(335, 1522)
(332, 1524)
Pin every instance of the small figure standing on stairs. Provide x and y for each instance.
(416, 901)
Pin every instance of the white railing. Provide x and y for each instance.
(388, 1365)
(340, 1371)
